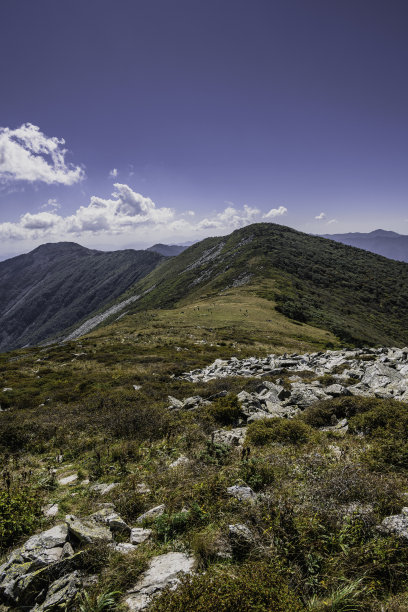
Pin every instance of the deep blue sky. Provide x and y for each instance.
(204, 106)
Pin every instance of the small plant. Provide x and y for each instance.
(283, 431)
(98, 603)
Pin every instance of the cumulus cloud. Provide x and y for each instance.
(275, 212)
(320, 216)
(26, 154)
(52, 203)
(129, 214)
(113, 173)
(124, 211)
(230, 218)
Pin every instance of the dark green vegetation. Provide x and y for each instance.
(358, 296)
(57, 285)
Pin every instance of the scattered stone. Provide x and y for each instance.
(241, 539)
(182, 461)
(112, 520)
(230, 437)
(151, 514)
(396, 524)
(143, 488)
(104, 488)
(137, 387)
(124, 548)
(242, 493)
(68, 479)
(163, 571)
(50, 510)
(139, 535)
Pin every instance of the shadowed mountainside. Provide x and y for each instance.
(56, 285)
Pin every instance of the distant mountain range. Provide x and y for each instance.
(168, 250)
(386, 243)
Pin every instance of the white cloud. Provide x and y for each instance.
(321, 216)
(126, 217)
(275, 212)
(26, 154)
(125, 211)
(113, 173)
(229, 219)
(332, 221)
(52, 203)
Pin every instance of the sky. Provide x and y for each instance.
(124, 123)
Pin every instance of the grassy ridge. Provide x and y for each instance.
(358, 296)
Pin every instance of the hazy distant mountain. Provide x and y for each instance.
(168, 250)
(56, 285)
(386, 243)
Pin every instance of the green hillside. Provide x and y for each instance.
(358, 296)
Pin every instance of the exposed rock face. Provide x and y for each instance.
(163, 571)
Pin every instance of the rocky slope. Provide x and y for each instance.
(57, 285)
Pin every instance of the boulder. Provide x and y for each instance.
(163, 571)
(61, 593)
(242, 493)
(230, 437)
(396, 525)
(112, 520)
(241, 539)
(139, 535)
(88, 531)
(151, 514)
(104, 488)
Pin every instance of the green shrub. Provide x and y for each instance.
(20, 514)
(386, 424)
(251, 586)
(257, 473)
(321, 413)
(226, 410)
(283, 431)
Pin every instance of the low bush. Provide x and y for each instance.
(283, 431)
(226, 410)
(20, 514)
(250, 586)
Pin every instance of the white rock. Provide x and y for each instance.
(163, 571)
(139, 535)
(68, 479)
(152, 513)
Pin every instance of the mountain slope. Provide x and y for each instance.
(56, 285)
(359, 296)
(382, 242)
(168, 250)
